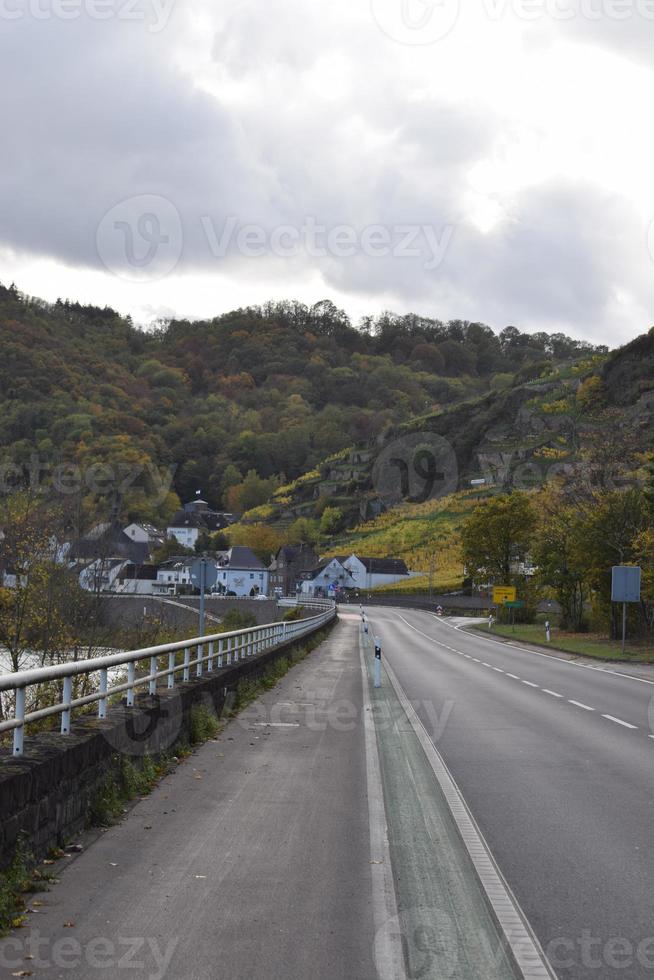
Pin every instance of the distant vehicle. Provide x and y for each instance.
(261, 596)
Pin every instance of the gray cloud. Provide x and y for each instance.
(102, 113)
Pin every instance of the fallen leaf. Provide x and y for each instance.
(36, 903)
(69, 925)
(23, 973)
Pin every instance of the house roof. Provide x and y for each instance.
(242, 557)
(109, 541)
(203, 520)
(293, 553)
(140, 573)
(384, 566)
(184, 518)
(148, 528)
(321, 566)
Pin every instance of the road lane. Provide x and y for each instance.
(563, 794)
(252, 860)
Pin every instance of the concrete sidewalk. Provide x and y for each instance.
(252, 860)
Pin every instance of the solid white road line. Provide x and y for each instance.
(389, 956)
(527, 953)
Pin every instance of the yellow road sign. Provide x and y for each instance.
(504, 593)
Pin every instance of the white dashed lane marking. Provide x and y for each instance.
(619, 721)
(545, 690)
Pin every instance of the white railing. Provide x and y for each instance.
(202, 654)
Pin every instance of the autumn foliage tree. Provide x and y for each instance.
(498, 533)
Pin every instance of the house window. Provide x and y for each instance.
(251, 574)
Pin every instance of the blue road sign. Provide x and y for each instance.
(626, 583)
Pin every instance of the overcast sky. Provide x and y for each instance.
(488, 159)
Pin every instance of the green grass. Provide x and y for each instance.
(581, 644)
(14, 882)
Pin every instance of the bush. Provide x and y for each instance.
(13, 881)
(204, 724)
(292, 615)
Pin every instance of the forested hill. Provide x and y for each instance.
(274, 389)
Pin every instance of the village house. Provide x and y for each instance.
(287, 567)
(196, 518)
(355, 572)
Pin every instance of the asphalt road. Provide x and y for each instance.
(252, 861)
(556, 762)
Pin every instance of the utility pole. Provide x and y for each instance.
(203, 585)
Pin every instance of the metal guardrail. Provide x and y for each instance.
(210, 653)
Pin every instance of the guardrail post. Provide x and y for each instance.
(172, 656)
(220, 653)
(187, 664)
(210, 660)
(153, 680)
(131, 676)
(229, 650)
(200, 651)
(102, 704)
(20, 716)
(67, 698)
